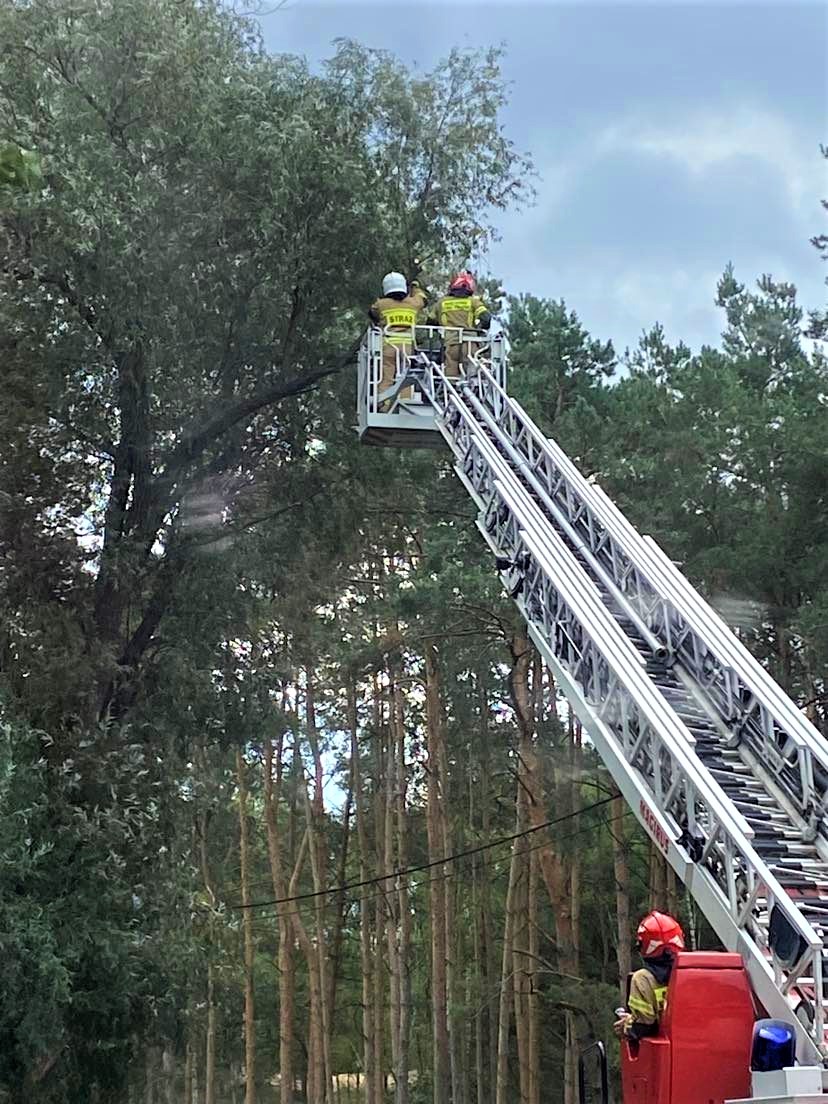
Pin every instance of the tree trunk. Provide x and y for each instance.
(520, 963)
(387, 864)
(502, 1095)
(671, 888)
(437, 889)
(377, 992)
(342, 902)
(489, 952)
(368, 961)
(187, 1095)
(210, 1027)
(249, 948)
(622, 892)
(482, 993)
(576, 755)
(285, 956)
(168, 1074)
(403, 909)
(315, 809)
(657, 879)
(196, 1097)
(571, 1061)
(533, 1080)
(452, 948)
(150, 1060)
(553, 868)
(377, 998)
(210, 1042)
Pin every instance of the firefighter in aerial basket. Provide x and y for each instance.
(465, 314)
(659, 938)
(396, 312)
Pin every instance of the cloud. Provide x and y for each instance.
(703, 142)
(619, 281)
(680, 298)
(697, 143)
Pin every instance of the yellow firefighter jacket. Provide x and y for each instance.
(398, 317)
(646, 1002)
(466, 311)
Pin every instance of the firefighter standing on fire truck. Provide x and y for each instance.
(659, 939)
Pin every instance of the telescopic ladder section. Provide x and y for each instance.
(722, 770)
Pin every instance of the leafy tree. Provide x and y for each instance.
(20, 169)
(818, 320)
(213, 218)
(194, 262)
(560, 373)
(719, 455)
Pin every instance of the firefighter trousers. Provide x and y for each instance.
(393, 362)
(456, 353)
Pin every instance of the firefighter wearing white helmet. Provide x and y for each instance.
(396, 311)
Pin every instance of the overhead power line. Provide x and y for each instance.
(363, 883)
(604, 822)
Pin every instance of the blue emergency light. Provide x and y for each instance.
(774, 1046)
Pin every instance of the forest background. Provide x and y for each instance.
(249, 670)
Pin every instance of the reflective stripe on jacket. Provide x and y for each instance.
(647, 998)
(398, 316)
(461, 311)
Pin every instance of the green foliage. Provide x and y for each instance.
(722, 456)
(441, 158)
(20, 171)
(90, 953)
(560, 373)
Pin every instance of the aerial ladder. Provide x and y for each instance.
(724, 773)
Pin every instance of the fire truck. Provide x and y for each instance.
(725, 774)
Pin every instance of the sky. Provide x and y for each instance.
(670, 139)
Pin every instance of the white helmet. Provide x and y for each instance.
(394, 281)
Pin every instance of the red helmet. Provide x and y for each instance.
(463, 281)
(659, 932)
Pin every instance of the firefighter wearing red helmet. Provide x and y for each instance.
(659, 939)
(461, 311)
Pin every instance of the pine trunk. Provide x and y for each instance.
(437, 889)
(622, 892)
(367, 958)
(315, 809)
(502, 1094)
(403, 909)
(489, 951)
(378, 991)
(210, 1041)
(187, 1095)
(671, 888)
(150, 1062)
(534, 988)
(520, 964)
(168, 1074)
(249, 947)
(576, 755)
(658, 879)
(210, 1027)
(284, 961)
(553, 868)
(571, 1061)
